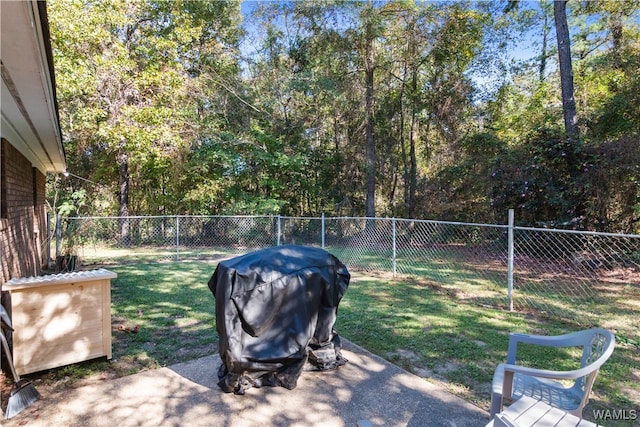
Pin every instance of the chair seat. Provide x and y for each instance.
(528, 412)
(543, 389)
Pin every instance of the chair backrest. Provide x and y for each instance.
(597, 348)
(601, 341)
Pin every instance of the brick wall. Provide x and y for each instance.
(23, 228)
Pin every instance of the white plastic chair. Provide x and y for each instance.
(511, 382)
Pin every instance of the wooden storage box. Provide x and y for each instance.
(60, 319)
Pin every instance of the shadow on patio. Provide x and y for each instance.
(186, 394)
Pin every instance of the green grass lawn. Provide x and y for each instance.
(419, 325)
(433, 333)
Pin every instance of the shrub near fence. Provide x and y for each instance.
(581, 277)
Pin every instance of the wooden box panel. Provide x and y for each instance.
(60, 319)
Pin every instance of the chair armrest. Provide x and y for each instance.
(508, 372)
(545, 373)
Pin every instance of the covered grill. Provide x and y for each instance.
(276, 309)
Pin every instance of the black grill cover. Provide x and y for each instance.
(276, 309)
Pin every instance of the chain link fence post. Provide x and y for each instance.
(177, 238)
(393, 244)
(279, 230)
(510, 261)
(322, 229)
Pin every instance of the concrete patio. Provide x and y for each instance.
(366, 390)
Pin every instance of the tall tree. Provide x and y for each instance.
(369, 69)
(566, 68)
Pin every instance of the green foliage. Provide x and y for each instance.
(72, 206)
(127, 91)
(618, 93)
(202, 126)
(543, 180)
(459, 192)
(612, 186)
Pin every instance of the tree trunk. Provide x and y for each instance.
(123, 196)
(370, 208)
(543, 55)
(616, 36)
(413, 138)
(566, 70)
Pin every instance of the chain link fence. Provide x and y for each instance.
(569, 275)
